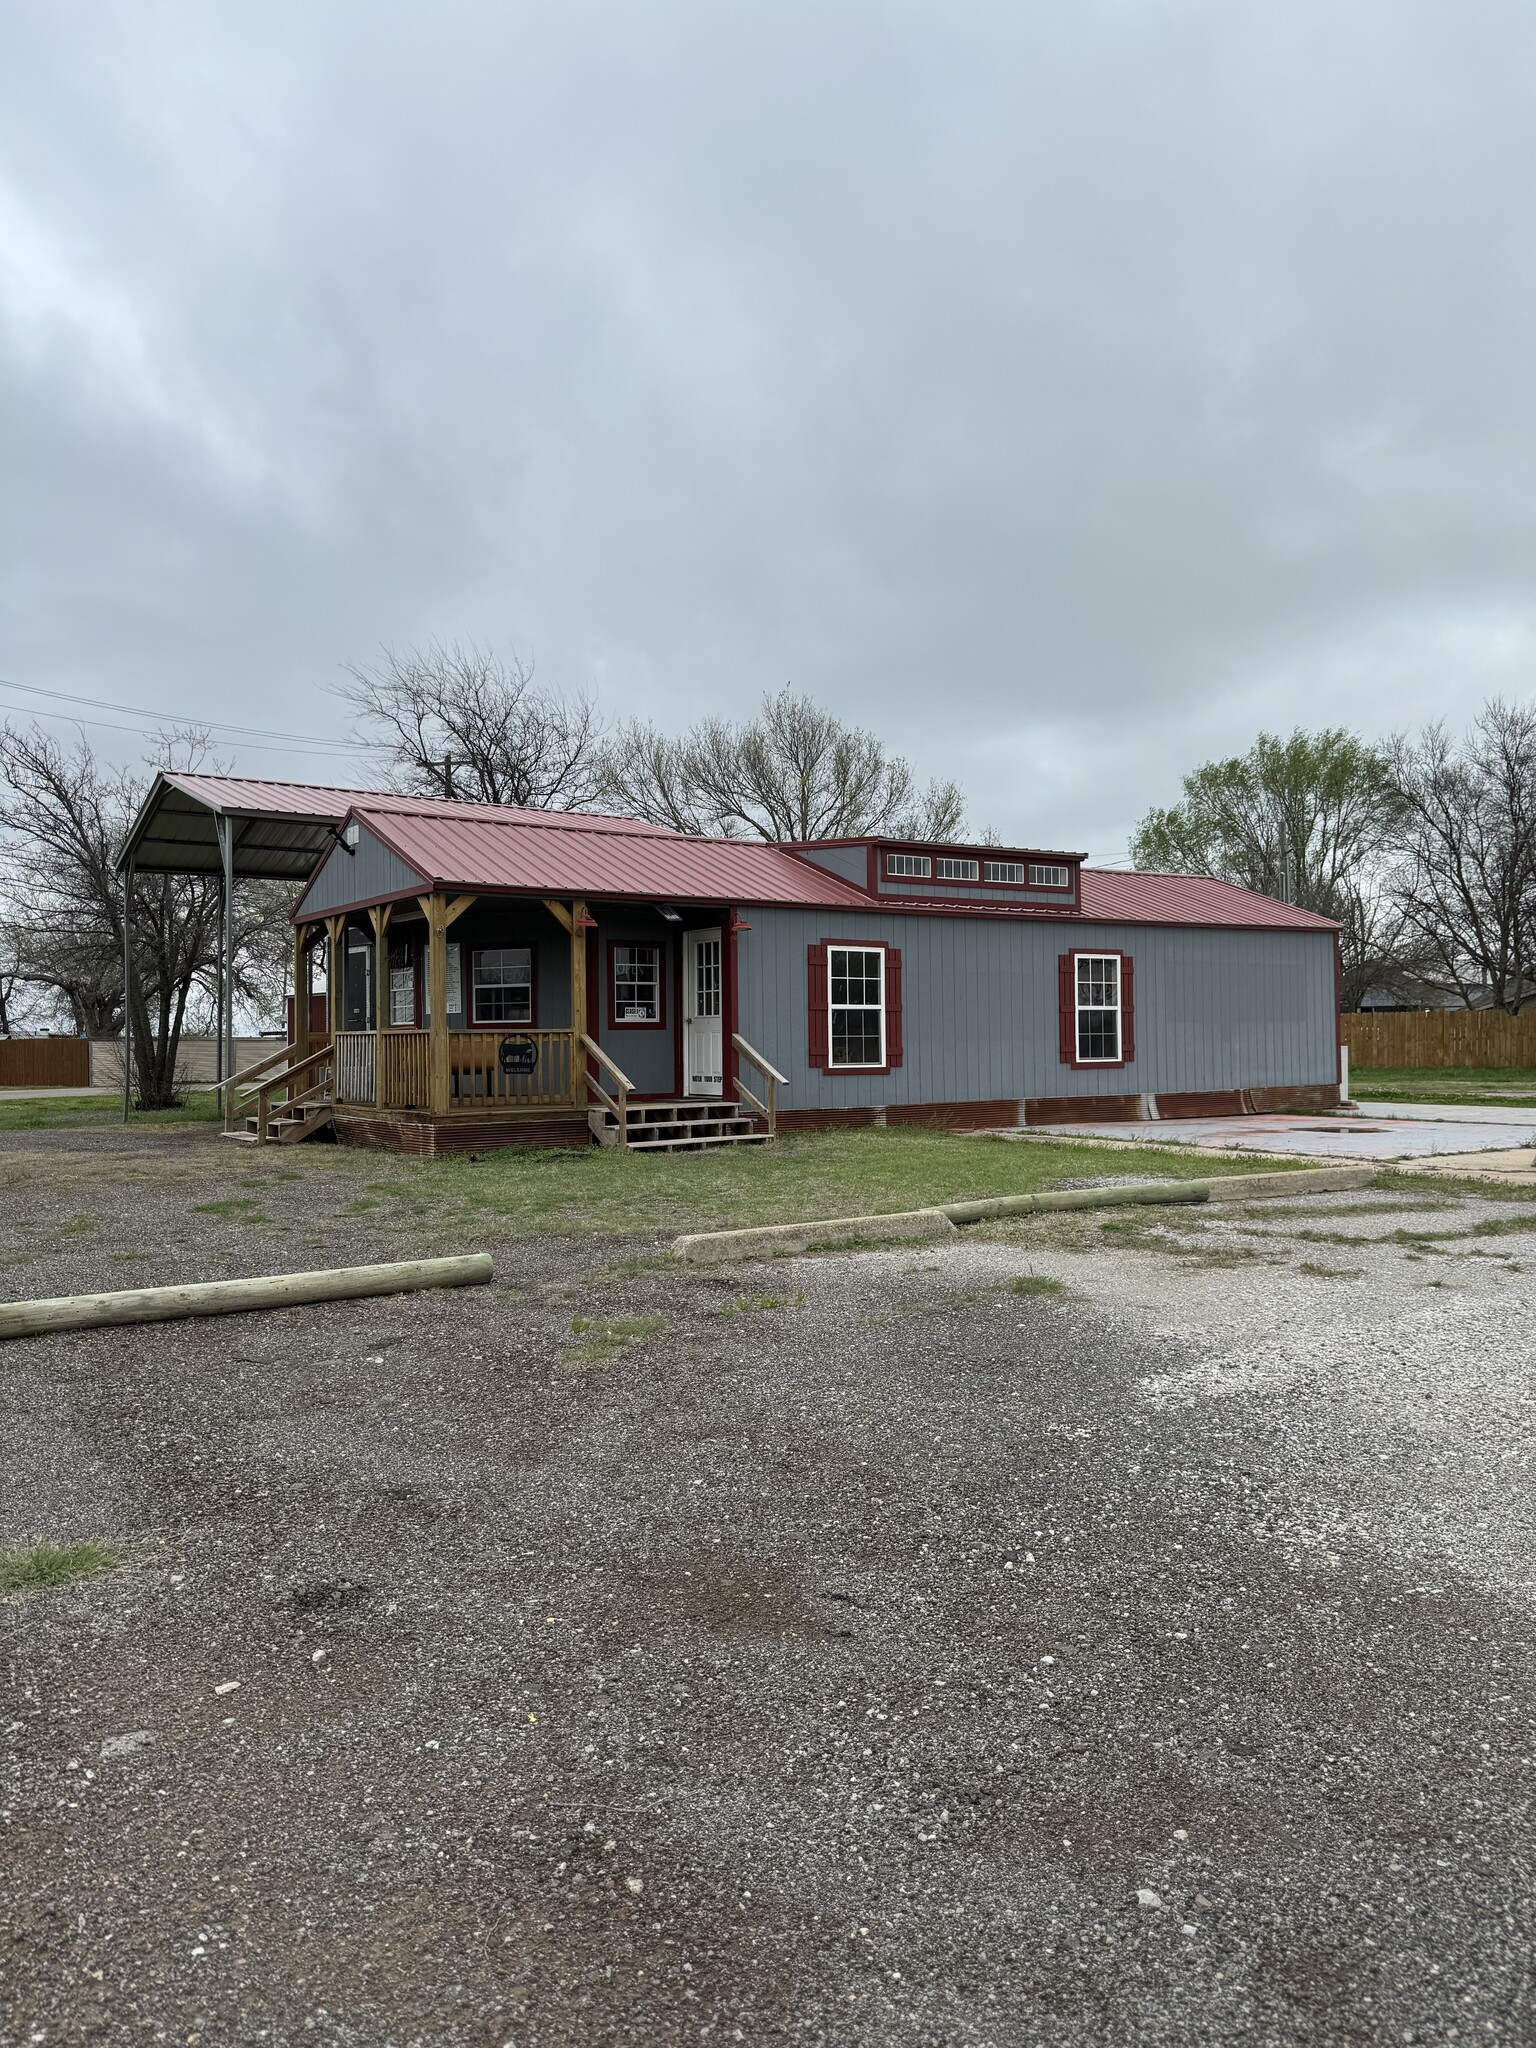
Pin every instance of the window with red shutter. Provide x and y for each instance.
(893, 1006)
(1127, 1009)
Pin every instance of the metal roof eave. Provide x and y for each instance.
(283, 847)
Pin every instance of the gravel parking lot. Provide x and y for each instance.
(849, 1649)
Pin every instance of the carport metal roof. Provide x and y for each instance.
(280, 829)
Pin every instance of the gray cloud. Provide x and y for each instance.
(1066, 390)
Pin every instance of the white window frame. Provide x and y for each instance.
(1114, 1059)
(834, 1064)
(657, 1021)
(1008, 871)
(952, 868)
(477, 954)
(909, 866)
(1049, 875)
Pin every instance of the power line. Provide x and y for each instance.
(282, 742)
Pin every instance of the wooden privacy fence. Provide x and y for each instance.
(1439, 1038)
(45, 1063)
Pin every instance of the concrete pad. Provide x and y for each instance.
(1373, 1137)
(1443, 1112)
(713, 1247)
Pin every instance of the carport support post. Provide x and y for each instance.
(127, 986)
(225, 1059)
(380, 915)
(300, 994)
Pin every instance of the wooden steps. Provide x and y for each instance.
(285, 1125)
(697, 1125)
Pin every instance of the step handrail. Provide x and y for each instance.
(250, 1073)
(233, 1109)
(775, 1080)
(625, 1086)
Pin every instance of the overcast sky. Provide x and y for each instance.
(1066, 389)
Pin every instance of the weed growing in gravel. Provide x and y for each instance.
(1035, 1283)
(1317, 1272)
(52, 1564)
(605, 1340)
(237, 1209)
(748, 1304)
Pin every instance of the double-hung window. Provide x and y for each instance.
(502, 985)
(1098, 1007)
(402, 983)
(856, 1006)
(637, 985)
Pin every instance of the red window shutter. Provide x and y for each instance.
(816, 1004)
(1127, 1008)
(893, 1006)
(1066, 975)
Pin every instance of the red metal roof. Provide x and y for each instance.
(1132, 898)
(474, 848)
(469, 846)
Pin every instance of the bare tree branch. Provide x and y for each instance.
(508, 740)
(795, 772)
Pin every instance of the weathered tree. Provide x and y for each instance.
(1468, 886)
(63, 817)
(794, 772)
(1314, 819)
(458, 721)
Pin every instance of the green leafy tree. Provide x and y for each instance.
(1316, 819)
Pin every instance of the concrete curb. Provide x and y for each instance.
(910, 1226)
(709, 1247)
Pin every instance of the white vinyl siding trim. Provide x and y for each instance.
(1096, 981)
(855, 1007)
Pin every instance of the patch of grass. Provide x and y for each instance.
(52, 1564)
(1035, 1283)
(78, 1226)
(235, 1209)
(1494, 1088)
(1317, 1272)
(361, 1207)
(605, 1191)
(751, 1304)
(64, 1112)
(602, 1341)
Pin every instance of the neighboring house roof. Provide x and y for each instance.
(467, 847)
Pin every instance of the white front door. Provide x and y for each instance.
(703, 1045)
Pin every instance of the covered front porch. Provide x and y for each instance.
(478, 1019)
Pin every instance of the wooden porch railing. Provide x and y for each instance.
(478, 1080)
(618, 1102)
(769, 1110)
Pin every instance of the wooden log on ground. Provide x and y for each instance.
(234, 1297)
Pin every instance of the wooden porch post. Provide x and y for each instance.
(440, 914)
(578, 1002)
(335, 930)
(380, 916)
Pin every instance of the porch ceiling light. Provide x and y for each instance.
(668, 915)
